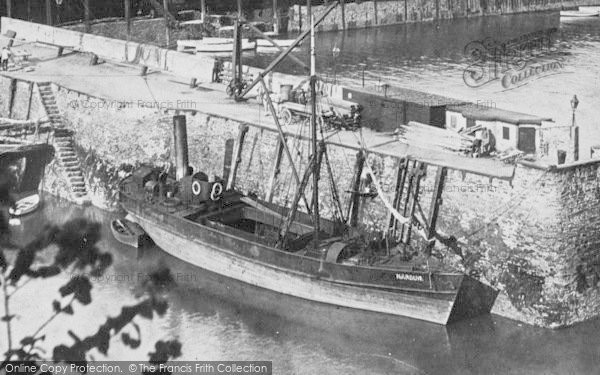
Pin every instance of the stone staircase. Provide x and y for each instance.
(65, 152)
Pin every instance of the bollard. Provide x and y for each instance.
(94, 59)
(193, 83)
(60, 51)
(144, 70)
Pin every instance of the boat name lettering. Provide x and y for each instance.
(408, 277)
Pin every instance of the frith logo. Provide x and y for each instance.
(408, 277)
(514, 62)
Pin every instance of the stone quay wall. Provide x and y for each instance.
(143, 30)
(362, 14)
(535, 238)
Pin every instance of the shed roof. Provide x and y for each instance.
(484, 113)
(396, 93)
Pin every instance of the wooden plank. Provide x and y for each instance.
(48, 12)
(275, 171)
(400, 181)
(235, 162)
(434, 208)
(31, 84)
(127, 6)
(419, 172)
(86, 15)
(282, 137)
(228, 157)
(294, 207)
(343, 4)
(355, 199)
(12, 90)
(167, 32)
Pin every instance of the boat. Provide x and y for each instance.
(264, 43)
(332, 260)
(25, 206)
(217, 45)
(589, 9)
(127, 232)
(26, 165)
(578, 14)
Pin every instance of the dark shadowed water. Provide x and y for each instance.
(219, 319)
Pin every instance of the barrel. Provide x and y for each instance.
(562, 156)
(284, 92)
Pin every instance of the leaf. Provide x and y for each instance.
(28, 340)
(101, 340)
(22, 263)
(68, 309)
(165, 350)
(129, 341)
(80, 287)
(7, 318)
(63, 353)
(56, 306)
(160, 306)
(48, 271)
(76, 241)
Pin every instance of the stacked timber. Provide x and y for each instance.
(11, 124)
(430, 137)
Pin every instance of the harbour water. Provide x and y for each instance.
(218, 319)
(431, 57)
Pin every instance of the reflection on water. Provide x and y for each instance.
(219, 319)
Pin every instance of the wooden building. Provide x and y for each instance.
(509, 129)
(386, 112)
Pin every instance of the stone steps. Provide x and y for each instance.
(63, 143)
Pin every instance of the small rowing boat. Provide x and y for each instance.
(25, 206)
(127, 232)
(212, 45)
(578, 14)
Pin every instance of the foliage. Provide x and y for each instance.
(77, 252)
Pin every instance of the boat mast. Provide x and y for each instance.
(313, 123)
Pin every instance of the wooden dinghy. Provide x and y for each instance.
(128, 232)
(578, 14)
(216, 45)
(25, 206)
(263, 43)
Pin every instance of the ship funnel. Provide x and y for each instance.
(181, 146)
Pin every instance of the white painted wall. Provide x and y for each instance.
(181, 64)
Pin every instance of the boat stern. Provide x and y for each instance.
(473, 298)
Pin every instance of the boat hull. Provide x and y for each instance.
(212, 255)
(216, 46)
(126, 233)
(578, 14)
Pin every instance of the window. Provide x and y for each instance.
(505, 132)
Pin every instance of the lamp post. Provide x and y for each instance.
(575, 129)
(363, 66)
(335, 52)
(574, 104)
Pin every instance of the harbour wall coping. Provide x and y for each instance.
(178, 63)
